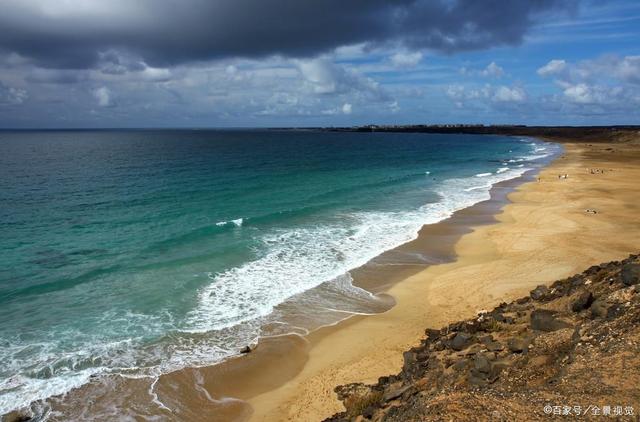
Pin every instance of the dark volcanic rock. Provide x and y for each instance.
(394, 391)
(482, 363)
(491, 344)
(462, 371)
(460, 365)
(461, 341)
(599, 308)
(518, 344)
(583, 301)
(545, 320)
(615, 310)
(630, 274)
(432, 335)
(17, 416)
(539, 293)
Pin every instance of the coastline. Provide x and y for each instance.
(480, 256)
(277, 360)
(221, 390)
(543, 234)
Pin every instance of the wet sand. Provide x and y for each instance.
(542, 235)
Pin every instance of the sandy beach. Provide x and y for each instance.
(579, 211)
(547, 231)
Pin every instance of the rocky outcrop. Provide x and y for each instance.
(572, 347)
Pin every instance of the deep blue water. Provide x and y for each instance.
(118, 247)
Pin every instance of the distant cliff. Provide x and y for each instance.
(558, 133)
(568, 350)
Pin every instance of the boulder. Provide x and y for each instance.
(496, 368)
(473, 349)
(497, 316)
(394, 391)
(599, 308)
(481, 363)
(432, 335)
(545, 320)
(491, 344)
(518, 345)
(583, 301)
(608, 308)
(460, 365)
(17, 416)
(630, 274)
(494, 346)
(409, 358)
(476, 379)
(615, 311)
(461, 341)
(539, 292)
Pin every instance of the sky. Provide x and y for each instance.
(266, 63)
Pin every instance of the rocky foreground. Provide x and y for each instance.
(570, 350)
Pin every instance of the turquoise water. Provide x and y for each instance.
(140, 252)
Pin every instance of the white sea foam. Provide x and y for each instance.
(299, 259)
(19, 391)
(237, 223)
(502, 170)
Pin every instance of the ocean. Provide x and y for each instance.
(145, 251)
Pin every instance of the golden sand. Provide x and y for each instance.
(544, 234)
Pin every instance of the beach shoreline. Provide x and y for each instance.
(533, 230)
(544, 233)
(221, 390)
(276, 360)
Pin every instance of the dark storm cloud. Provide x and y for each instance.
(86, 33)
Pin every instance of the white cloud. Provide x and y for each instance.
(406, 59)
(156, 74)
(323, 77)
(554, 67)
(346, 109)
(462, 95)
(580, 93)
(11, 95)
(455, 92)
(593, 94)
(506, 94)
(609, 81)
(628, 69)
(493, 71)
(103, 96)
(625, 69)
